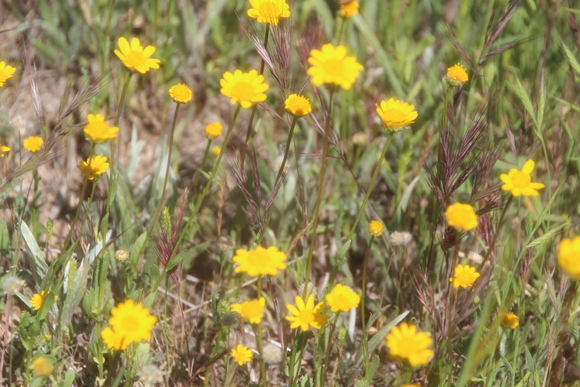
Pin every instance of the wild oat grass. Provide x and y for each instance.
(289, 193)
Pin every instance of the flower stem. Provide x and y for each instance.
(280, 172)
(197, 173)
(319, 194)
(371, 185)
(329, 348)
(249, 130)
(365, 338)
(118, 118)
(166, 178)
(199, 201)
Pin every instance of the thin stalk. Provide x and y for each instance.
(371, 185)
(196, 174)
(118, 118)
(319, 194)
(249, 130)
(201, 197)
(280, 172)
(166, 178)
(444, 115)
(329, 348)
(259, 338)
(365, 338)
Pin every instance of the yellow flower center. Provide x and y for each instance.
(269, 9)
(130, 323)
(520, 179)
(135, 59)
(242, 91)
(333, 67)
(395, 115)
(259, 258)
(306, 316)
(465, 278)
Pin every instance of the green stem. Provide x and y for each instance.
(166, 178)
(280, 172)
(365, 332)
(371, 185)
(329, 349)
(118, 118)
(445, 105)
(197, 173)
(251, 121)
(319, 194)
(199, 202)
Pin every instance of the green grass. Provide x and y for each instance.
(520, 103)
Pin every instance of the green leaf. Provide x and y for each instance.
(4, 236)
(69, 378)
(38, 262)
(77, 284)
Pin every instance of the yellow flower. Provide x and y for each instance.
(97, 131)
(181, 93)
(130, 323)
(135, 57)
(260, 261)
(342, 298)
(213, 130)
(215, 150)
(348, 9)
(241, 354)
(375, 228)
(38, 299)
(509, 320)
(33, 143)
(251, 310)
(269, 11)
(464, 276)
(42, 366)
(244, 88)
(93, 167)
(569, 256)
(456, 75)
(3, 149)
(306, 315)
(410, 385)
(406, 344)
(395, 115)
(331, 65)
(461, 216)
(520, 182)
(297, 105)
(6, 72)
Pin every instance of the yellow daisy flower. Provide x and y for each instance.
(461, 216)
(42, 366)
(259, 261)
(93, 167)
(251, 310)
(348, 9)
(520, 182)
(181, 93)
(395, 115)
(33, 143)
(244, 88)
(464, 276)
(509, 320)
(297, 105)
(135, 57)
(376, 228)
(38, 299)
(331, 65)
(213, 130)
(97, 131)
(130, 323)
(215, 150)
(306, 315)
(406, 344)
(3, 150)
(6, 72)
(342, 298)
(241, 354)
(456, 75)
(269, 11)
(569, 256)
